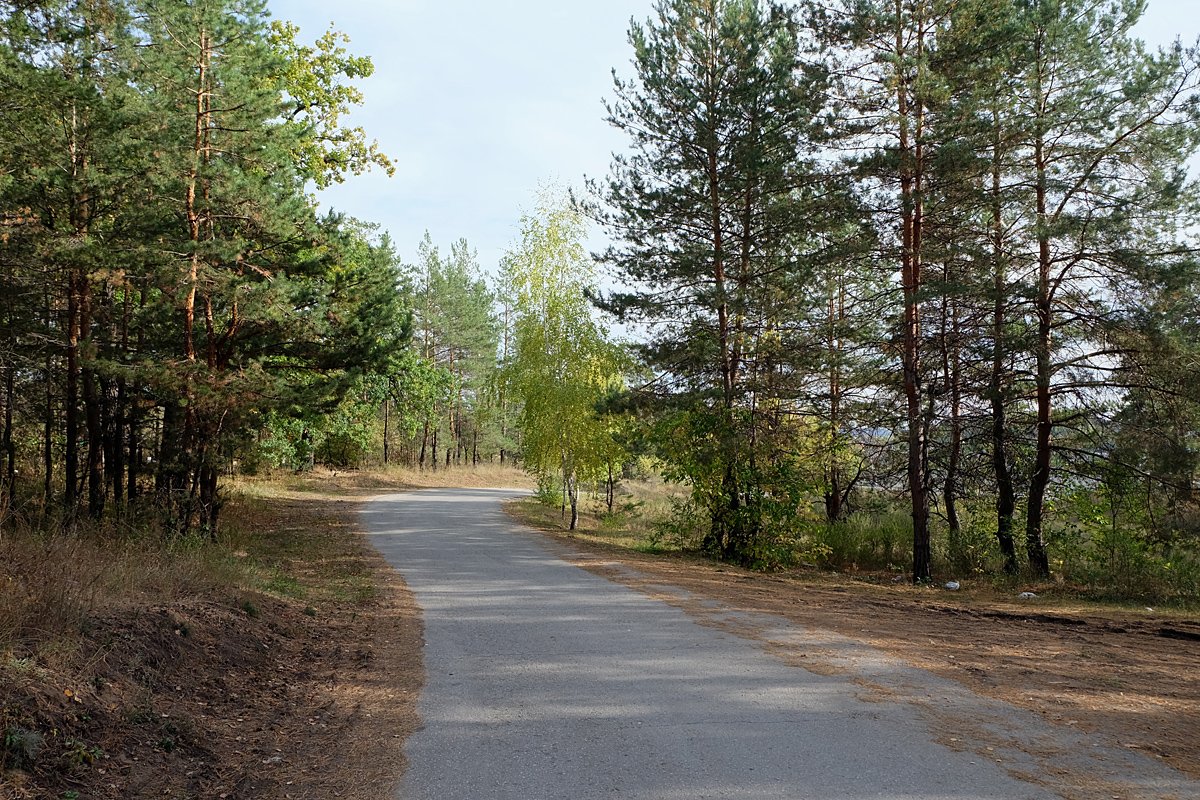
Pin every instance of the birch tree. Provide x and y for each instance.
(563, 364)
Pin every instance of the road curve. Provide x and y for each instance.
(547, 682)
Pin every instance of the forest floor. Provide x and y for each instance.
(290, 672)
(1129, 675)
(293, 671)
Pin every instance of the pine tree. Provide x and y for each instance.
(887, 47)
(709, 209)
(1102, 158)
(457, 333)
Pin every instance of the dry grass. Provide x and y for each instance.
(365, 482)
(143, 668)
(641, 520)
(51, 584)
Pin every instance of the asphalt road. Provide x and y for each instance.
(546, 681)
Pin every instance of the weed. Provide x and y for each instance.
(549, 494)
(284, 585)
(250, 609)
(22, 746)
(78, 753)
(622, 516)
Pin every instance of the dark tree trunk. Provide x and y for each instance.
(209, 501)
(169, 479)
(10, 449)
(136, 454)
(1035, 546)
(386, 432)
(71, 402)
(93, 415)
(611, 493)
(134, 451)
(1006, 500)
(911, 210)
(952, 379)
(115, 450)
(833, 494)
(48, 436)
(424, 442)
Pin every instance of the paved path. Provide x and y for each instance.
(547, 682)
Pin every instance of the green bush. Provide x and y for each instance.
(684, 527)
(1119, 564)
(549, 492)
(973, 550)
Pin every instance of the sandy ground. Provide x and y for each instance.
(1133, 678)
(257, 696)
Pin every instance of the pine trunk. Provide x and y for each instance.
(910, 261)
(1035, 547)
(92, 411)
(386, 431)
(10, 449)
(71, 401)
(1006, 500)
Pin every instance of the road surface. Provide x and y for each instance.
(548, 682)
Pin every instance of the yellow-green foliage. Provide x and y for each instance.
(563, 364)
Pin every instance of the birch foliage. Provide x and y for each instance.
(563, 364)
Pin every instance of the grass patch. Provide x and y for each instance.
(645, 517)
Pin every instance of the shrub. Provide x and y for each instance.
(684, 527)
(549, 492)
(974, 549)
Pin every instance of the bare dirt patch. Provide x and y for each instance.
(304, 688)
(1131, 677)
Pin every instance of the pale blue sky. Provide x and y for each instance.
(479, 101)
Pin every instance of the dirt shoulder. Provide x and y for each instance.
(1131, 677)
(303, 687)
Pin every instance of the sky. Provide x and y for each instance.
(478, 102)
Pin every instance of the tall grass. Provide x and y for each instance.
(869, 542)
